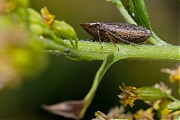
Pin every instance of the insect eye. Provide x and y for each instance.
(93, 25)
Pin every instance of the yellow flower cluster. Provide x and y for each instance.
(128, 95)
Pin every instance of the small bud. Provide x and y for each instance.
(64, 30)
(36, 24)
(60, 28)
(150, 93)
(34, 16)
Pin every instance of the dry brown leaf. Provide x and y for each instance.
(69, 109)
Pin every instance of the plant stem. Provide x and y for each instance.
(123, 11)
(93, 51)
(171, 97)
(155, 40)
(99, 74)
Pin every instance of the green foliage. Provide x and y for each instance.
(35, 35)
(137, 10)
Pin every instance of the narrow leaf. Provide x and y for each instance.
(142, 13)
(76, 108)
(137, 10)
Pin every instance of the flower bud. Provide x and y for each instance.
(150, 93)
(36, 23)
(34, 16)
(64, 30)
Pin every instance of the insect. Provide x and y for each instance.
(117, 32)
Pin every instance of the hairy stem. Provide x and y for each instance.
(93, 51)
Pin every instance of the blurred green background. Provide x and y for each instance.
(65, 79)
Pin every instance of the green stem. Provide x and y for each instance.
(100, 73)
(155, 40)
(171, 97)
(93, 51)
(123, 11)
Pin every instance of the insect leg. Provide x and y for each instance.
(121, 39)
(99, 39)
(109, 36)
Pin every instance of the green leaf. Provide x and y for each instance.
(137, 10)
(129, 6)
(123, 11)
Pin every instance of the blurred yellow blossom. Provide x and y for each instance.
(163, 87)
(7, 6)
(20, 52)
(3, 7)
(144, 114)
(119, 112)
(174, 74)
(20, 55)
(165, 114)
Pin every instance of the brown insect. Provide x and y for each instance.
(116, 32)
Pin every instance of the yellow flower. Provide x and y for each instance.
(119, 112)
(173, 74)
(47, 17)
(3, 7)
(7, 6)
(163, 87)
(128, 95)
(144, 114)
(100, 116)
